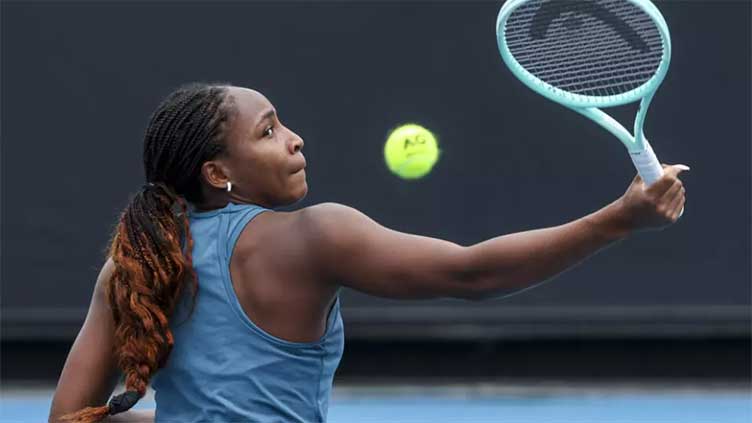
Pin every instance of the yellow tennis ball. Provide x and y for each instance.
(411, 151)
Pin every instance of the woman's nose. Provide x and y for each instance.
(296, 143)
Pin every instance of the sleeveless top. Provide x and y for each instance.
(224, 368)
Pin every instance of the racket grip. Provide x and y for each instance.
(647, 164)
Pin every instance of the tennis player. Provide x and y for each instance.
(230, 309)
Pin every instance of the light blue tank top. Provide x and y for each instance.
(224, 368)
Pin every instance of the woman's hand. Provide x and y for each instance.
(656, 206)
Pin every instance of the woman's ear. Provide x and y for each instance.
(215, 174)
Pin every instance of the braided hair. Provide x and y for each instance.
(151, 245)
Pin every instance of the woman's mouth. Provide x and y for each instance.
(300, 168)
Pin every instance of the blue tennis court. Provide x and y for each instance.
(490, 404)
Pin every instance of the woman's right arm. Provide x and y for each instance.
(355, 251)
(90, 373)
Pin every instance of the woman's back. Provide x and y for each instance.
(223, 366)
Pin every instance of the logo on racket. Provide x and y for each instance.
(574, 12)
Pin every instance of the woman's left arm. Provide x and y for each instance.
(90, 373)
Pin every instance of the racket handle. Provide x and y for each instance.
(648, 167)
(647, 164)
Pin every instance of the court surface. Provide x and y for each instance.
(478, 403)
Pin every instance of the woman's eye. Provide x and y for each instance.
(268, 132)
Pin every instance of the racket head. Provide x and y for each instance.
(585, 53)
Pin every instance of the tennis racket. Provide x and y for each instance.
(591, 54)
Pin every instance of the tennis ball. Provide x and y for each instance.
(411, 151)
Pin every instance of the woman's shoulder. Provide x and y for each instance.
(311, 217)
(304, 228)
(278, 247)
(327, 214)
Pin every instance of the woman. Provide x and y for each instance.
(236, 305)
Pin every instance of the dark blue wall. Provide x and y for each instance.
(79, 81)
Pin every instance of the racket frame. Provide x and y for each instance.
(589, 106)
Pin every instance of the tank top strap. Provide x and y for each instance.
(238, 217)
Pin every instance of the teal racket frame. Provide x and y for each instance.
(637, 145)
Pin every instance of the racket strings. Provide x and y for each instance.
(594, 38)
(526, 23)
(578, 9)
(594, 47)
(615, 68)
(583, 58)
(605, 84)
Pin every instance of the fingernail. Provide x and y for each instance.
(682, 167)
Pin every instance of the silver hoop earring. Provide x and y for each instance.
(229, 186)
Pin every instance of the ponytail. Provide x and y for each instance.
(151, 250)
(151, 246)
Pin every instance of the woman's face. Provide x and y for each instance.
(264, 161)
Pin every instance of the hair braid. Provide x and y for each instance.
(151, 246)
